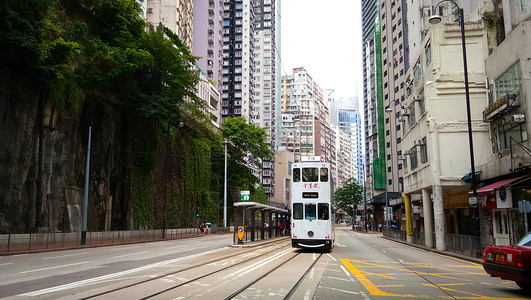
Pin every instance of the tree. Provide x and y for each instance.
(248, 149)
(348, 196)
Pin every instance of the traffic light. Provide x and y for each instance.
(198, 213)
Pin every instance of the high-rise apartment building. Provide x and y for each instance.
(198, 26)
(249, 69)
(374, 157)
(207, 39)
(176, 15)
(345, 116)
(385, 64)
(307, 130)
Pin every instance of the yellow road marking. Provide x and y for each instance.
(371, 287)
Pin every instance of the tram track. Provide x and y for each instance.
(187, 269)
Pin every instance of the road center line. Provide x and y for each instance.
(55, 267)
(69, 255)
(131, 254)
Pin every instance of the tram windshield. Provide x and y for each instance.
(309, 211)
(310, 174)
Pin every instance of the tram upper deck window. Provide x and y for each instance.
(324, 175)
(323, 211)
(296, 174)
(310, 211)
(310, 174)
(297, 211)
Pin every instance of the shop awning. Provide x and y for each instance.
(496, 185)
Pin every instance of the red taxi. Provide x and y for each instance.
(510, 262)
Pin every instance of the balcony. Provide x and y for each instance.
(500, 107)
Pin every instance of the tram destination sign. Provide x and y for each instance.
(310, 195)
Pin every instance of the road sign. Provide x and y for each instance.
(473, 200)
(241, 232)
(245, 196)
(524, 206)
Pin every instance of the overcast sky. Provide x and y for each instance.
(324, 37)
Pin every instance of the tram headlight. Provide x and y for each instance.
(310, 233)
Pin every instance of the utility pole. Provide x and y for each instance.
(85, 194)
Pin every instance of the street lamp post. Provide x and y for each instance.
(225, 141)
(435, 19)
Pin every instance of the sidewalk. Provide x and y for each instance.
(260, 242)
(445, 252)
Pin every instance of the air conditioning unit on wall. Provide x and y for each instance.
(518, 118)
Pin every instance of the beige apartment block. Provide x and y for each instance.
(435, 142)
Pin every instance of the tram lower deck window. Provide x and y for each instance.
(323, 211)
(297, 211)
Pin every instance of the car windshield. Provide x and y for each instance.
(526, 240)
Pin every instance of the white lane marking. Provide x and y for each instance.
(17, 255)
(123, 248)
(331, 257)
(131, 254)
(345, 270)
(337, 278)
(69, 255)
(55, 267)
(400, 260)
(312, 272)
(175, 247)
(246, 270)
(307, 294)
(5, 264)
(340, 290)
(113, 275)
(339, 245)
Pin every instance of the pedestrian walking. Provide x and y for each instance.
(202, 228)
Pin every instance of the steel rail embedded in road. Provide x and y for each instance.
(136, 284)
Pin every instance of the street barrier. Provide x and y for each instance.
(28, 242)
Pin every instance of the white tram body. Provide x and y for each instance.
(312, 218)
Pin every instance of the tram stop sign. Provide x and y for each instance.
(241, 232)
(245, 196)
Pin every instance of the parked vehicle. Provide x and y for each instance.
(510, 262)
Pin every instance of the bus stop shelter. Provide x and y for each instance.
(246, 216)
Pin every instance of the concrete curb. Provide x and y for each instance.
(260, 242)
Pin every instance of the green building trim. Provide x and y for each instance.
(379, 174)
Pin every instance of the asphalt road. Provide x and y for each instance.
(361, 266)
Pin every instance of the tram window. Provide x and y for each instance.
(310, 174)
(324, 175)
(309, 210)
(297, 211)
(296, 174)
(323, 213)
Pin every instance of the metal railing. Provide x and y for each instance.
(14, 243)
(457, 243)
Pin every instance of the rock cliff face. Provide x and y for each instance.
(42, 164)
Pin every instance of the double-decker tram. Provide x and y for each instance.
(312, 219)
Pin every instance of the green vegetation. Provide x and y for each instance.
(348, 195)
(86, 56)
